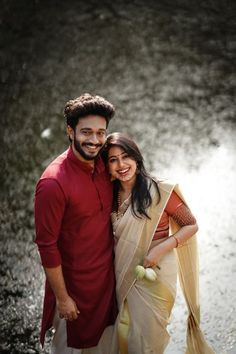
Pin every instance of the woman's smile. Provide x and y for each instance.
(121, 165)
(124, 171)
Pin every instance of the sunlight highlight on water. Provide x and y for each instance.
(211, 193)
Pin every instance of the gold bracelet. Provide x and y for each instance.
(176, 240)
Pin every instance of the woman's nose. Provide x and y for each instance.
(120, 163)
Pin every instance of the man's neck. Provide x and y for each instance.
(81, 158)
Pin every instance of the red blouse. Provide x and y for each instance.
(178, 211)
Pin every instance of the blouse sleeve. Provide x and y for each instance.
(179, 211)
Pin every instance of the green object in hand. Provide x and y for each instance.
(150, 274)
(147, 273)
(139, 272)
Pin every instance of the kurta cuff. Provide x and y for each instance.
(50, 259)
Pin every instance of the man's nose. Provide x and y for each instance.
(94, 139)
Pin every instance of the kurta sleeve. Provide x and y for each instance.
(49, 209)
(179, 211)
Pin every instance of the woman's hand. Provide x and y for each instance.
(155, 254)
(153, 257)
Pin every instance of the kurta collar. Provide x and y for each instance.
(98, 167)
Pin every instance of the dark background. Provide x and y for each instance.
(169, 68)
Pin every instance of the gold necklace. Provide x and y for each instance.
(118, 200)
(119, 213)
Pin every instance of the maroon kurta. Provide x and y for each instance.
(72, 217)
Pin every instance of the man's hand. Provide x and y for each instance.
(65, 304)
(67, 309)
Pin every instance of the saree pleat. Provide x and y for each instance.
(123, 329)
(145, 307)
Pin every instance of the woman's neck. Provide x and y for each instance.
(127, 186)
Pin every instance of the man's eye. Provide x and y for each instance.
(101, 133)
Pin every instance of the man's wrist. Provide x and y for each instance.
(62, 298)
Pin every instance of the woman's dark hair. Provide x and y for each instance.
(85, 105)
(140, 198)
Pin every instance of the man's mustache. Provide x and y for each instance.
(90, 144)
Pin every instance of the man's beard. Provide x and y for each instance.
(85, 155)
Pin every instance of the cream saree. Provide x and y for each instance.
(144, 306)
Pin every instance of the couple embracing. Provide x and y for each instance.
(112, 240)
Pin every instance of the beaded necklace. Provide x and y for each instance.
(126, 203)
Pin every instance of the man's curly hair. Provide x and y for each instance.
(85, 105)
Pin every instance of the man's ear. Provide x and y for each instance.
(70, 132)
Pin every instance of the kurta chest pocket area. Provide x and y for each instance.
(84, 200)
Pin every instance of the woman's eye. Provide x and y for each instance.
(112, 160)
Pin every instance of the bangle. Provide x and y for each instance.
(176, 241)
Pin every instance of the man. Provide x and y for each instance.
(73, 232)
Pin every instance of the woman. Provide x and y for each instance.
(143, 212)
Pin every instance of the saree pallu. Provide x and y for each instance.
(144, 306)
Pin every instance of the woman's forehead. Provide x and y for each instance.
(115, 151)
